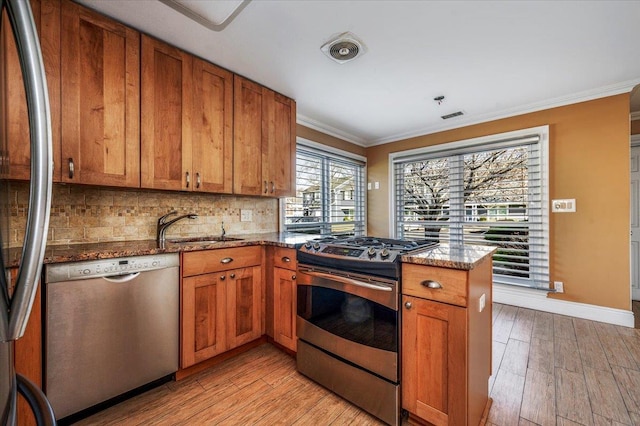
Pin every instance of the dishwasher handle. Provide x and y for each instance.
(122, 278)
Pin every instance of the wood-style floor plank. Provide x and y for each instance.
(507, 398)
(572, 397)
(539, 398)
(567, 355)
(605, 396)
(543, 326)
(541, 356)
(523, 325)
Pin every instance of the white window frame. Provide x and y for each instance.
(338, 153)
(541, 131)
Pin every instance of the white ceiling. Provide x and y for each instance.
(490, 59)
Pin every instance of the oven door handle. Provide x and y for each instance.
(346, 280)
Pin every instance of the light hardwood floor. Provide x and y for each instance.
(548, 369)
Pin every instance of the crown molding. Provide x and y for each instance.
(329, 130)
(587, 95)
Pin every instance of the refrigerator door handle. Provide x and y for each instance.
(37, 401)
(31, 62)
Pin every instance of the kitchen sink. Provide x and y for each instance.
(201, 240)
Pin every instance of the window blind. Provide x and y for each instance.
(491, 194)
(329, 194)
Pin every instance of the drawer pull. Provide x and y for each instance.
(226, 260)
(286, 259)
(434, 285)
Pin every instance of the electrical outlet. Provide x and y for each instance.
(376, 185)
(482, 303)
(558, 286)
(246, 215)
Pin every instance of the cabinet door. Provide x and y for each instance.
(100, 99)
(279, 151)
(284, 310)
(247, 137)
(13, 116)
(203, 318)
(212, 145)
(244, 305)
(166, 116)
(434, 361)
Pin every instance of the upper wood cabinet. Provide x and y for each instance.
(100, 99)
(212, 143)
(166, 107)
(279, 154)
(14, 119)
(187, 117)
(264, 122)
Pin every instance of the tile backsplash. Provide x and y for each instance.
(85, 214)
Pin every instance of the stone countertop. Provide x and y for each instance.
(108, 250)
(464, 257)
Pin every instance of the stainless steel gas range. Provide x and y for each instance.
(348, 320)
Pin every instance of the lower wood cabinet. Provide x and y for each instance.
(284, 308)
(446, 343)
(222, 298)
(281, 296)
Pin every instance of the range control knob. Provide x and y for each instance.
(384, 253)
(316, 246)
(371, 252)
(307, 245)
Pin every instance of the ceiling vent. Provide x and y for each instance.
(343, 48)
(453, 114)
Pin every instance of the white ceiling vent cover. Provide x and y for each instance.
(344, 48)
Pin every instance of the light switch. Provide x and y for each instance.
(563, 206)
(376, 185)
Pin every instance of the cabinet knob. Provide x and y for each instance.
(222, 277)
(188, 179)
(198, 180)
(286, 259)
(434, 285)
(408, 305)
(72, 169)
(293, 277)
(232, 276)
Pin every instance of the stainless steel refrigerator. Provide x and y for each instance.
(16, 308)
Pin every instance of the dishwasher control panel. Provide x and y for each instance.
(106, 267)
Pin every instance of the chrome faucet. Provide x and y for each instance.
(163, 224)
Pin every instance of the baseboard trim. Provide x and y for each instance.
(538, 300)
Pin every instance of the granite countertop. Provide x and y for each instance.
(450, 256)
(108, 250)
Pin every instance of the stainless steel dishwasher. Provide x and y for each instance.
(111, 326)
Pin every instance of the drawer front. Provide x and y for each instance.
(284, 258)
(206, 261)
(453, 282)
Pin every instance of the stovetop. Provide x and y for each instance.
(377, 256)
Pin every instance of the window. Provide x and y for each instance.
(329, 193)
(487, 191)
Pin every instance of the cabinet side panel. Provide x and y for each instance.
(480, 330)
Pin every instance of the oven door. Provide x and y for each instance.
(352, 316)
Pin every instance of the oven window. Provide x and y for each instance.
(350, 317)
